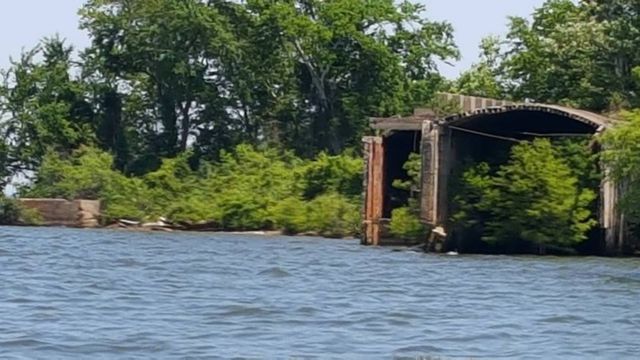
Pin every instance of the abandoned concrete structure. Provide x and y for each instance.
(443, 140)
(62, 212)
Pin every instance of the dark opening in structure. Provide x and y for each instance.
(523, 124)
(489, 138)
(399, 145)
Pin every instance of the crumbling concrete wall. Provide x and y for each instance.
(61, 212)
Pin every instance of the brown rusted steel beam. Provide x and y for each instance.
(374, 190)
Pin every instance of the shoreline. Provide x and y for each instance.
(276, 233)
(157, 229)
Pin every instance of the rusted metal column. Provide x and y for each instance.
(374, 190)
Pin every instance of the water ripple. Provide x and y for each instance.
(275, 272)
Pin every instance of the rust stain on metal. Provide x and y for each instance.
(374, 194)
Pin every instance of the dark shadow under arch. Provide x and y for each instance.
(521, 120)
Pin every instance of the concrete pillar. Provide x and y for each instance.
(436, 168)
(445, 158)
(430, 154)
(374, 190)
(611, 218)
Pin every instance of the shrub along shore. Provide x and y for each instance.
(245, 190)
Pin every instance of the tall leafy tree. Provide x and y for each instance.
(170, 55)
(302, 74)
(557, 57)
(582, 54)
(44, 107)
(353, 59)
(621, 22)
(485, 77)
(535, 198)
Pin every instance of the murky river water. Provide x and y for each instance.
(108, 294)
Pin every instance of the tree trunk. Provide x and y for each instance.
(185, 125)
(169, 136)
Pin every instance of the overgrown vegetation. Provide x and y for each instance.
(405, 221)
(12, 213)
(541, 197)
(247, 189)
(622, 154)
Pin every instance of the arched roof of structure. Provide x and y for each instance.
(598, 122)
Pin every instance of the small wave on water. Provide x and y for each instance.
(19, 300)
(568, 319)
(632, 279)
(21, 343)
(246, 310)
(275, 272)
(307, 310)
(420, 352)
(127, 262)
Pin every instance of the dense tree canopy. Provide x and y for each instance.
(163, 77)
(577, 53)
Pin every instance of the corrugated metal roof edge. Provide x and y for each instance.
(587, 117)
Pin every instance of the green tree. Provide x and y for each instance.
(536, 198)
(303, 75)
(469, 188)
(171, 54)
(484, 78)
(353, 59)
(582, 54)
(622, 156)
(405, 220)
(620, 20)
(43, 107)
(557, 57)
